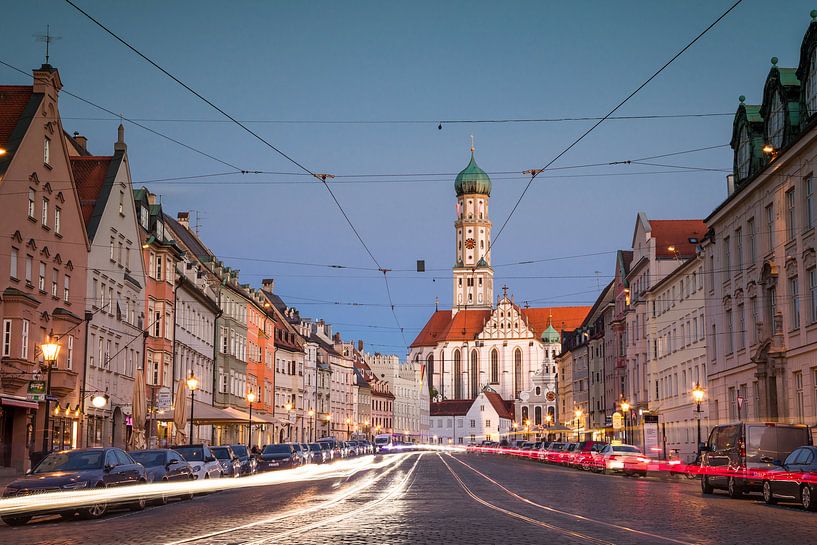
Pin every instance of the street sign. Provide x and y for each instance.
(740, 402)
(164, 399)
(36, 390)
(292, 416)
(618, 421)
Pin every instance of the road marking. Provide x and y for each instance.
(395, 490)
(519, 516)
(394, 462)
(573, 515)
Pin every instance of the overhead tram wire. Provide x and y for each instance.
(238, 169)
(575, 142)
(317, 176)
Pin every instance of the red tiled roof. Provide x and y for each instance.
(563, 318)
(499, 405)
(676, 233)
(89, 174)
(13, 100)
(465, 326)
(451, 407)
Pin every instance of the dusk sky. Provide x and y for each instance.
(358, 88)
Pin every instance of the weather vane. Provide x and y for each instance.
(47, 38)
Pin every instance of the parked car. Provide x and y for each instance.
(383, 442)
(248, 462)
(333, 445)
(554, 452)
(278, 456)
(569, 453)
(77, 469)
(202, 461)
(230, 464)
(583, 454)
(794, 479)
(320, 455)
(735, 456)
(164, 465)
(627, 459)
(303, 455)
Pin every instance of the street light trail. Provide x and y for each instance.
(565, 513)
(15, 505)
(339, 497)
(513, 514)
(395, 490)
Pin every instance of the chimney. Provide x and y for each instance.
(184, 219)
(82, 141)
(120, 144)
(268, 284)
(360, 346)
(730, 184)
(327, 329)
(336, 337)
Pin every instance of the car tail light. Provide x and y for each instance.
(613, 457)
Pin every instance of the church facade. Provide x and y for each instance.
(487, 342)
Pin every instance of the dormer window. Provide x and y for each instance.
(776, 123)
(744, 154)
(811, 84)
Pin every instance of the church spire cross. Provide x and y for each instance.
(505, 291)
(472, 144)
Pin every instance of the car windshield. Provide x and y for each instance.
(240, 451)
(149, 458)
(222, 453)
(314, 446)
(277, 449)
(71, 461)
(381, 440)
(627, 448)
(191, 454)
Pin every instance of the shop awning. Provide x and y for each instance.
(15, 401)
(263, 417)
(206, 414)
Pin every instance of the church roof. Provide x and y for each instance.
(467, 324)
(451, 407)
(472, 179)
(550, 335)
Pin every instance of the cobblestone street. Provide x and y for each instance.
(435, 498)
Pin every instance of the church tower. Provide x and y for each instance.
(473, 275)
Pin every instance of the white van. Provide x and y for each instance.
(382, 442)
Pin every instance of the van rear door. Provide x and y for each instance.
(767, 442)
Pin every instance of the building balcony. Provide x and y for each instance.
(63, 382)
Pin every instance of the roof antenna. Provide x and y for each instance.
(47, 38)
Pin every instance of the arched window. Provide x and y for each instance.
(524, 415)
(517, 372)
(430, 371)
(538, 391)
(811, 84)
(457, 375)
(537, 415)
(442, 376)
(474, 373)
(744, 153)
(494, 366)
(776, 123)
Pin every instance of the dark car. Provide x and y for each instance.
(163, 465)
(278, 456)
(78, 469)
(230, 464)
(794, 479)
(248, 462)
(737, 455)
(320, 455)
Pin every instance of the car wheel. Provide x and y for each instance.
(94, 511)
(161, 500)
(733, 489)
(139, 505)
(706, 488)
(807, 498)
(768, 495)
(16, 521)
(642, 473)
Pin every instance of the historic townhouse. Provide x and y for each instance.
(160, 254)
(761, 266)
(411, 400)
(677, 337)
(195, 317)
(43, 262)
(115, 286)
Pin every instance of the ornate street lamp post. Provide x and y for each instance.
(328, 424)
(527, 429)
(193, 384)
(548, 421)
(698, 395)
(288, 407)
(312, 429)
(250, 400)
(50, 350)
(348, 430)
(625, 408)
(579, 414)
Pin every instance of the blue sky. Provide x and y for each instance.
(414, 61)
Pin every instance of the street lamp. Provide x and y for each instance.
(579, 414)
(625, 408)
(312, 429)
(193, 384)
(348, 432)
(328, 424)
(548, 421)
(100, 400)
(50, 350)
(527, 429)
(698, 395)
(288, 407)
(250, 400)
